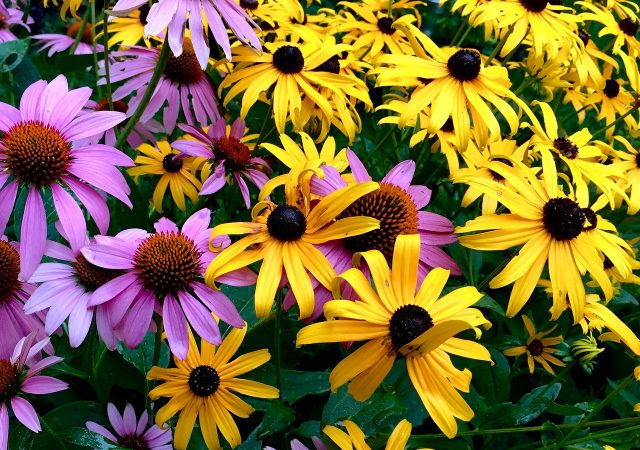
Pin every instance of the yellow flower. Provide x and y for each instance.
(284, 236)
(176, 173)
(586, 349)
(539, 348)
(623, 29)
(127, 30)
(628, 164)
(203, 386)
(67, 5)
(399, 319)
(353, 439)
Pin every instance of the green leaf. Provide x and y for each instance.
(142, 356)
(74, 414)
(309, 429)
(12, 53)
(87, 438)
(296, 384)
(278, 417)
(533, 404)
(565, 410)
(488, 302)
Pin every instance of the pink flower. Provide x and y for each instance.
(132, 433)
(183, 86)
(14, 292)
(8, 18)
(173, 14)
(226, 148)
(19, 375)
(57, 43)
(38, 151)
(163, 273)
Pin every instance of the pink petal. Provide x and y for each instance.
(138, 320)
(428, 221)
(401, 175)
(129, 420)
(357, 168)
(119, 255)
(197, 223)
(91, 200)
(80, 322)
(4, 427)
(111, 289)
(70, 216)
(25, 413)
(420, 195)
(200, 319)
(99, 429)
(7, 201)
(60, 310)
(175, 325)
(43, 385)
(166, 225)
(50, 272)
(33, 233)
(220, 304)
(142, 423)
(215, 182)
(91, 124)
(116, 419)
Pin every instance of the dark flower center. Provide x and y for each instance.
(584, 36)
(183, 69)
(496, 176)
(134, 442)
(534, 5)
(297, 22)
(397, 214)
(566, 148)
(249, 4)
(10, 381)
(172, 163)
(638, 160)
(144, 12)
(74, 28)
(591, 218)
(448, 126)
(118, 105)
(563, 218)
(628, 26)
(167, 262)
(535, 347)
(36, 154)
(330, 65)
(91, 276)
(286, 223)
(204, 381)
(407, 323)
(9, 271)
(288, 59)
(385, 24)
(235, 153)
(611, 88)
(464, 65)
(607, 263)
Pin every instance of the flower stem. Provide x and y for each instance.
(467, 30)
(622, 117)
(151, 87)
(158, 342)
(262, 136)
(105, 41)
(482, 286)
(277, 339)
(496, 51)
(78, 37)
(94, 47)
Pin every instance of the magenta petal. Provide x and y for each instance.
(129, 419)
(401, 174)
(175, 325)
(220, 304)
(79, 322)
(50, 272)
(138, 320)
(357, 168)
(91, 200)
(8, 116)
(420, 195)
(142, 423)
(111, 289)
(25, 413)
(428, 221)
(91, 124)
(240, 277)
(4, 427)
(116, 256)
(165, 224)
(7, 200)
(197, 223)
(33, 234)
(200, 319)
(43, 385)
(332, 181)
(215, 182)
(116, 419)
(70, 216)
(99, 429)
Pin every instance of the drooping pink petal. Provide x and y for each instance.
(118, 255)
(420, 195)
(4, 427)
(50, 272)
(25, 413)
(197, 223)
(48, 293)
(357, 168)
(220, 304)
(112, 288)
(215, 182)
(200, 318)
(59, 251)
(99, 429)
(138, 319)
(428, 221)
(70, 216)
(39, 366)
(59, 311)
(175, 325)
(91, 124)
(240, 277)
(142, 423)
(91, 200)
(33, 233)
(7, 201)
(104, 177)
(43, 385)
(80, 322)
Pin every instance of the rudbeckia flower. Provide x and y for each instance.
(173, 16)
(10, 17)
(39, 151)
(454, 83)
(176, 172)
(162, 272)
(131, 432)
(584, 69)
(404, 318)
(539, 348)
(622, 29)
(228, 152)
(183, 85)
(202, 386)
(20, 374)
(71, 6)
(553, 227)
(354, 438)
(57, 43)
(628, 164)
(127, 30)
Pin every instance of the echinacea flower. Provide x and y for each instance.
(539, 348)
(57, 43)
(284, 237)
(183, 86)
(202, 386)
(354, 438)
(15, 290)
(404, 317)
(228, 152)
(133, 433)
(10, 17)
(19, 375)
(175, 14)
(162, 273)
(38, 152)
(176, 172)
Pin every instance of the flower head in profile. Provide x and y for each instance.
(354, 438)
(129, 432)
(39, 152)
(11, 17)
(176, 172)
(403, 317)
(203, 387)
(128, 29)
(228, 152)
(539, 348)
(163, 272)
(57, 43)
(19, 375)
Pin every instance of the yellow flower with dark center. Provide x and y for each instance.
(203, 386)
(284, 237)
(401, 318)
(584, 61)
(176, 173)
(628, 164)
(454, 83)
(553, 227)
(623, 29)
(128, 30)
(539, 349)
(547, 72)
(354, 438)
(67, 5)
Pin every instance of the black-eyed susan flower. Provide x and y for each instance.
(283, 237)
(176, 173)
(71, 6)
(628, 164)
(539, 348)
(403, 318)
(584, 61)
(622, 29)
(127, 29)
(454, 83)
(586, 350)
(203, 385)
(354, 437)
(553, 227)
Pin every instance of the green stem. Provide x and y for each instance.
(622, 117)
(158, 342)
(528, 81)
(482, 286)
(151, 87)
(464, 35)
(105, 41)
(382, 142)
(496, 51)
(462, 29)
(277, 339)
(580, 425)
(78, 37)
(263, 127)
(94, 47)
